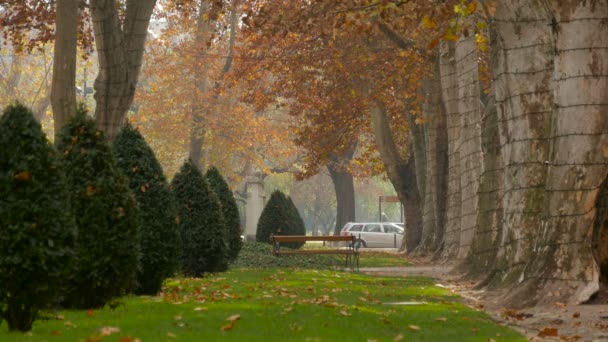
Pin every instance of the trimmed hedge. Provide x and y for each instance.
(37, 230)
(107, 216)
(279, 218)
(159, 234)
(230, 211)
(201, 223)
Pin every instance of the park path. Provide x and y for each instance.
(587, 322)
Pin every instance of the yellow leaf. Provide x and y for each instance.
(198, 308)
(428, 22)
(413, 327)
(23, 176)
(398, 338)
(107, 331)
(441, 319)
(344, 313)
(471, 8)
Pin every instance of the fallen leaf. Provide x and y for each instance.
(177, 318)
(344, 313)
(126, 339)
(170, 334)
(107, 331)
(68, 324)
(548, 332)
(90, 190)
(560, 305)
(229, 326)
(474, 329)
(55, 333)
(576, 314)
(199, 308)
(491, 340)
(398, 338)
(413, 327)
(90, 313)
(441, 319)
(60, 317)
(143, 188)
(234, 318)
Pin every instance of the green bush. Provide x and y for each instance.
(159, 234)
(278, 218)
(296, 225)
(37, 231)
(107, 216)
(230, 212)
(201, 224)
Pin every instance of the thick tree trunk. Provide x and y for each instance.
(449, 90)
(524, 103)
(120, 50)
(401, 173)
(562, 263)
(467, 71)
(435, 143)
(345, 189)
(63, 91)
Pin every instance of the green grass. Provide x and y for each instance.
(279, 304)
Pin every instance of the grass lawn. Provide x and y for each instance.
(278, 304)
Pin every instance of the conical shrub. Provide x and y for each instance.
(37, 231)
(277, 218)
(159, 234)
(296, 225)
(201, 224)
(106, 215)
(230, 212)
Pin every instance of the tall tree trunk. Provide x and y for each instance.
(523, 83)
(120, 50)
(198, 131)
(467, 71)
(345, 189)
(449, 89)
(562, 263)
(402, 174)
(63, 91)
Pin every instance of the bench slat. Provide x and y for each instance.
(304, 238)
(320, 251)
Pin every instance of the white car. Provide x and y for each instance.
(375, 234)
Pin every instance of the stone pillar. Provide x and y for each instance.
(256, 199)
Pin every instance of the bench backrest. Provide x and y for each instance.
(301, 238)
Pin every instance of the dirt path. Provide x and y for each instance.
(558, 322)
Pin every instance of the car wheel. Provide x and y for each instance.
(359, 244)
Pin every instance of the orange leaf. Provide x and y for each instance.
(143, 188)
(55, 333)
(471, 8)
(23, 176)
(90, 190)
(548, 332)
(90, 313)
(229, 326)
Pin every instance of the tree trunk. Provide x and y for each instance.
(345, 194)
(401, 173)
(63, 91)
(449, 90)
(120, 50)
(562, 263)
(523, 84)
(197, 134)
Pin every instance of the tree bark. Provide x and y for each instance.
(402, 174)
(120, 50)
(63, 89)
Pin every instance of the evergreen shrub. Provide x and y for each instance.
(37, 231)
(159, 234)
(278, 218)
(201, 224)
(107, 216)
(230, 211)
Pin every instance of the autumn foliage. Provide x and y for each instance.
(107, 216)
(201, 223)
(230, 211)
(280, 217)
(37, 231)
(159, 234)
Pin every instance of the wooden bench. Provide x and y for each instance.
(351, 253)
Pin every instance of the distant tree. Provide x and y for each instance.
(278, 218)
(37, 231)
(159, 233)
(201, 224)
(107, 216)
(230, 212)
